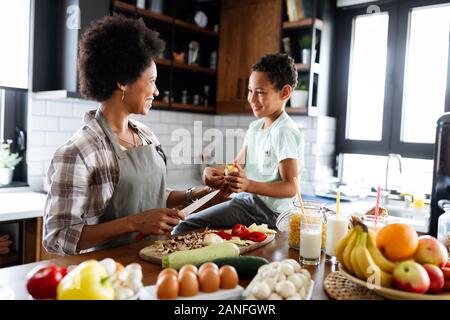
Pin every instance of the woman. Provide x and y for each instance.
(108, 182)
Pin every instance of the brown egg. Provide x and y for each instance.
(208, 265)
(228, 277)
(188, 284)
(188, 267)
(167, 271)
(167, 287)
(209, 280)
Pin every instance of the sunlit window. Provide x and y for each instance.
(367, 77)
(369, 171)
(14, 39)
(426, 72)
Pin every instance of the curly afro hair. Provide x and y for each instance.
(280, 69)
(115, 50)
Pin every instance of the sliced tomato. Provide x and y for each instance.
(224, 235)
(239, 230)
(257, 236)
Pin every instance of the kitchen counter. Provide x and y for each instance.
(15, 277)
(21, 205)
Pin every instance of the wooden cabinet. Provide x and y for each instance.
(248, 30)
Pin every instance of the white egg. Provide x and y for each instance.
(109, 265)
(302, 293)
(133, 266)
(270, 273)
(294, 263)
(274, 265)
(306, 280)
(264, 268)
(123, 293)
(285, 289)
(271, 282)
(306, 273)
(286, 268)
(135, 274)
(261, 290)
(275, 296)
(297, 281)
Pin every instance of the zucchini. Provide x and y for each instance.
(246, 266)
(196, 256)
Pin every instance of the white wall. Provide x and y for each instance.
(53, 122)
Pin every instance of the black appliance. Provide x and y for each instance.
(441, 171)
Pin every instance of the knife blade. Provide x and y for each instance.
(190, 208)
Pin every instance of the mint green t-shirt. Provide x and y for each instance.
(266, 148)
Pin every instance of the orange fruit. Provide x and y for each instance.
(397, 241)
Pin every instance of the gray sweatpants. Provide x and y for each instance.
(244, 208)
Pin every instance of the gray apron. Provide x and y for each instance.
(142, 181)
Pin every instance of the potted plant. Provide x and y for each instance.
(305, 45)
(8, 161)
(299, 97)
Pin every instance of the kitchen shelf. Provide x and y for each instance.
(184, 66)
(302, 67)
(160, 104)
(303, 23)
(298, 111)
(163, 18)
(181, 106)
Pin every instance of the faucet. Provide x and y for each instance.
(399, 159)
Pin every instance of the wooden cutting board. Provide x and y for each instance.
(150, 254)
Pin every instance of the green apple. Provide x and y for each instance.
(87, 281)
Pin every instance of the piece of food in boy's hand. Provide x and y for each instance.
(229, 168)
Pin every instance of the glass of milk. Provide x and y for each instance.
(374, 224)
(310, 240)
(337, 228)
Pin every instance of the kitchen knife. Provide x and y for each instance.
(190, 208)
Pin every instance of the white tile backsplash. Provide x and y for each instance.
(52, 123)
(57, 108)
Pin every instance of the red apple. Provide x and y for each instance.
(411, 276)
(447, 285)
(436, 278)
(430, 250)
(447, 265)
(446, 272)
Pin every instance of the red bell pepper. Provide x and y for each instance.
(257, 236)
(42, 283)
(223, 235)
(239, 230)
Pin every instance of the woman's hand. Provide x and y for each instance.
(157, 221)
(213, 177)
(237, 181)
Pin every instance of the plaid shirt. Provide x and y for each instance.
(82, 176)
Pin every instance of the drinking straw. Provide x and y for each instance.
(377, 205)
(338, 202)
(297, 190)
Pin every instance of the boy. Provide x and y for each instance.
(272, 155)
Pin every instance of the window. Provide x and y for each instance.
(14, 37)
(392, 77)
(391, 84)
(426, 73)
(367, 76)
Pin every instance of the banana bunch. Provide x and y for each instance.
(360, 256)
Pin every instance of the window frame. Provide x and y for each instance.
(398, 28)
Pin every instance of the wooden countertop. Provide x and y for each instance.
(15, 277)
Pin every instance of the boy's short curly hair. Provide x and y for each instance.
(280, 69)
(115, 49)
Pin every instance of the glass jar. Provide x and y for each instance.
(289, 221)
(444, 227)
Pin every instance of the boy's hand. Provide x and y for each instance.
(237, 181)
(213, 177)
